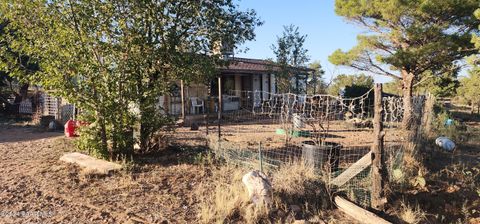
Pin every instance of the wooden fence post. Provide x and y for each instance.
(260, 156)
(219, 105)
(378, 164)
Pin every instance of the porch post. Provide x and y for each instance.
(182, 95)
(219, 105)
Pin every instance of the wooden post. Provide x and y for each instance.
(358, 213)
(378, 163)
(182, 95)
(219, 105)
(260, 156)
(207, 112)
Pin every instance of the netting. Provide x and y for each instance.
(334, 135)
(330, 133)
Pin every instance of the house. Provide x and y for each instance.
(238, 82)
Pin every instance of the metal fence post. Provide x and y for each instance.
(219, 105)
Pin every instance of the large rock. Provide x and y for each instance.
(90, 164)
(258, 186)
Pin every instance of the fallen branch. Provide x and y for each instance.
(357, 212)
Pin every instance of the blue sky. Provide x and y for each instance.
(326, 31)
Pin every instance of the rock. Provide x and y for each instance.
(194, 126)
(180, 122)
(295, 208)
(445, 143)
(258, 186)
(89, 164)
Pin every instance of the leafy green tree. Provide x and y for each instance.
(290, 54)
(21, 66)
(115, 58)
(405, 39)
(468, 92)
(341, 82)
(316, 83)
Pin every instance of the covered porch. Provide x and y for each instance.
(236, 91)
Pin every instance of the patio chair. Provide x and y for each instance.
(197, 103)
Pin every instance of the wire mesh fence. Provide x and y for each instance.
(332, 134)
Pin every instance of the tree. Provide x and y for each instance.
(468, 91)
(341, 82)
(290, 54)
(14, 66)
(441, 85)
(316, 81)
(114, 59)
(407, 38)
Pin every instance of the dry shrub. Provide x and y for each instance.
(224, 199)
(297, 183)
(291, 177)
(223, 203)
(228, 202)
(257, 213)
(411, 215)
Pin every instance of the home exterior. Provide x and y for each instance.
(238, 81)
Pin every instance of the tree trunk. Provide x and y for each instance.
(407, 89)
(472, 108)
(22, 93)
(103, 135)
(144, 127)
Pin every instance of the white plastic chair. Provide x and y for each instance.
(197, 103)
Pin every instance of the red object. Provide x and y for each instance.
(70, 128)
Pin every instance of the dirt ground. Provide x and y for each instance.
(35, 187)
(338, 131)
(38, 188)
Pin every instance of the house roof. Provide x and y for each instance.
(249, 65)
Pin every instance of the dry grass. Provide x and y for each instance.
(411, 215)
(290, 178)
(229, 200)
(297, 194)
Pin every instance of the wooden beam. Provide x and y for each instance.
(358, 213)
(182, 95)
(353, 170)
(378, 163)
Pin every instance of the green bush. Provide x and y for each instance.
(456, 131)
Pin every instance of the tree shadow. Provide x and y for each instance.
(19, 133)
(171, 155)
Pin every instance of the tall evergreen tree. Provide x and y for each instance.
(290, 54)
(316, 83)
(405, 39)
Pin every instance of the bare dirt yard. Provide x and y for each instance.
(184, 184)
(37, 187)
(173, 186)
